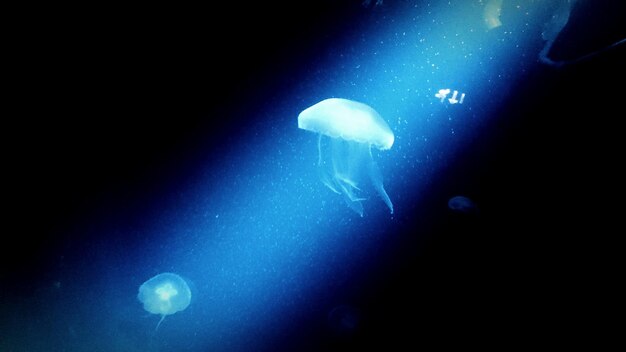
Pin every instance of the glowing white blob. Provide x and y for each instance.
(443, 93)
(166, 291)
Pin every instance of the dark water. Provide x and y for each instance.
(118, 108)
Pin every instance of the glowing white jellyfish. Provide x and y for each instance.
(347, 131)
(164, 294)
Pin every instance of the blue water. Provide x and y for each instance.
(268, 251)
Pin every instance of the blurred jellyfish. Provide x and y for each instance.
(553, 27)
(164, 294)
(491, 14)
(462, 204)
(367, 3)
(551, 30)
(347, 130)
(344, 320)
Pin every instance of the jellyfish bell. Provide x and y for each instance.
(347, 130)
(349, 120)
(164, 294)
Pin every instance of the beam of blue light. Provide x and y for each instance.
(262, 241)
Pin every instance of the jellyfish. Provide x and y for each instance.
(551, 30)
(366, 3)
(344, 320)
(347, 131)
(462, 204)
(164, 294)
(491, 14)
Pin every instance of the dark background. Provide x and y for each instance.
(113, 104)
(109, 108)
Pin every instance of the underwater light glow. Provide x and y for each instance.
(266, 245)
(263, 240)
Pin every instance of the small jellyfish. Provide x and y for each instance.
(347, 131)
(462, 204)
(344, 320)
(366, 3)
(164, 294)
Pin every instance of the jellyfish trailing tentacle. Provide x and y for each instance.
(341, 170)
(325, 176)
(377, 181)
(160, 321)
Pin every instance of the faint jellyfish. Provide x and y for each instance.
(462, 204)
(347, 131)
(491, 14)
(551, 30)
(344, 320)
(367, 3)
(553, 27)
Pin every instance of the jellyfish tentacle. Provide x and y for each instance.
(345, 179)
(348, 189)
(328, 182)
(160, 321)
(377, 182)
(354, 205)
(319, 150)
(325, 175)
